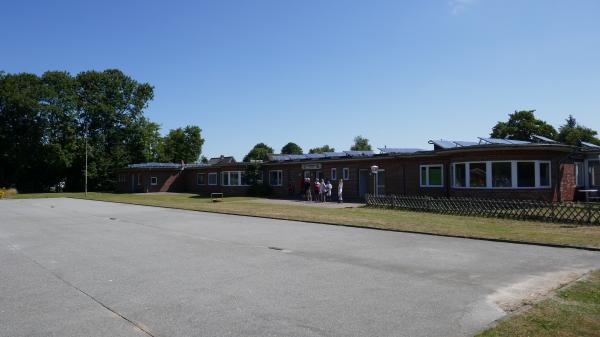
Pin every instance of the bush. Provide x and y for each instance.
(7, 192)
(260, 190)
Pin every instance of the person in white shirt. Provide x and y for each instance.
(329, 189)
(340, 190)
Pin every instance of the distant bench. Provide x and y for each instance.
(216, 196)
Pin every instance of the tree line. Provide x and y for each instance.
(45, 122)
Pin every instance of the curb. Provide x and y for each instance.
(519, 242)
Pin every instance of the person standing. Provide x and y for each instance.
(317, 188)
(307, 190)
(323, 190)
(329, 189)
(340, 191)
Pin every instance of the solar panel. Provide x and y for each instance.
(444, 144)
(502, 141)
(464, 143)
(586, 144)
(334, 154)
(296, 156)
(279, 157)
(543, 139)
(155, 165)
(399, 150)
(360, 153)
(314, 155)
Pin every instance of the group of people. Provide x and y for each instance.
(321, 191)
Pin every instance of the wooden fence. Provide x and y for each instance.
(575, 213)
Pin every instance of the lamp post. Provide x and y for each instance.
(375, 171)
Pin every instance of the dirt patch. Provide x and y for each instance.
(533, 289)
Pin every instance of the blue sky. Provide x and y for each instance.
(321, 72)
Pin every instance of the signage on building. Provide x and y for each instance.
(311, 166)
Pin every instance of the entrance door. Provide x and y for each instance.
(363, 183)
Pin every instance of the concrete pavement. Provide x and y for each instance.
(85, 268)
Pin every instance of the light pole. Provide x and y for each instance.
(86, 160)
(375, 171)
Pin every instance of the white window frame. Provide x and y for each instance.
(198, 179)
(216, 177)
(427, 184)
(280, 177)
(153, 181)
(514, 175)
(229, 174)
(139, 179)
(333, 173)
(346, 173)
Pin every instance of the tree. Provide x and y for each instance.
(521, 125)
(572, 133)
(260, 151)
(183, 144)
(361, 144)
(322, 149)
(291, 148)
(203, 160)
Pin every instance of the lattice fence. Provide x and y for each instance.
(576, 213)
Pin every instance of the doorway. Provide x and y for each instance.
(363, 183)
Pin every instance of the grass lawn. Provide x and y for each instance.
(573, 312)
(478, 227)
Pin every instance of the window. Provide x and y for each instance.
(477, 175)
(381, 182)
(306, 174)
(544, 168)
(333, 174)
(526, 174)
(139, 179)
(501, 174)
(346, 173)
(212, 178)
(233, 178)
(200, 179)
(460, 175)
(432, 176)
(153, 181)
(275, 178)
(579, 174)
(122, 178)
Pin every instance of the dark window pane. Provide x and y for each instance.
(424, 176)
(435, 176)
(460, 173)
(501, 175)
(234, 178)
(225, 178)
(526, 174)
(478, 174)
(544, 174)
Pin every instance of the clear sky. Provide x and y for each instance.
(321, 72)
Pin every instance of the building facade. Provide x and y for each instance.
(486, 169)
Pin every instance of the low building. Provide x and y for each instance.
(488, 168)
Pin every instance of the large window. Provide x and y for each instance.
(579, 174)
(212, 178)
(233, 178)
(477, 175)
(432, 176)
(502, 174)
(275, 178)
(334, 174)
(200, 179)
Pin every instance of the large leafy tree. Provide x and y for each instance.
(361, 144)
(521, 125)
(572, 133)
(260, 151)
(110, 107)
(183, 144)
(322, 149)
(291, 148)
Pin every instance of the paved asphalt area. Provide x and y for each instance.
(85, 268)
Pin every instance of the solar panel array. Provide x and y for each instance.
(399, 150)
(586, 144)
(503, 141)
(543, 139)
(325, 155)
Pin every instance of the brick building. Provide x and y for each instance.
(489, 168)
